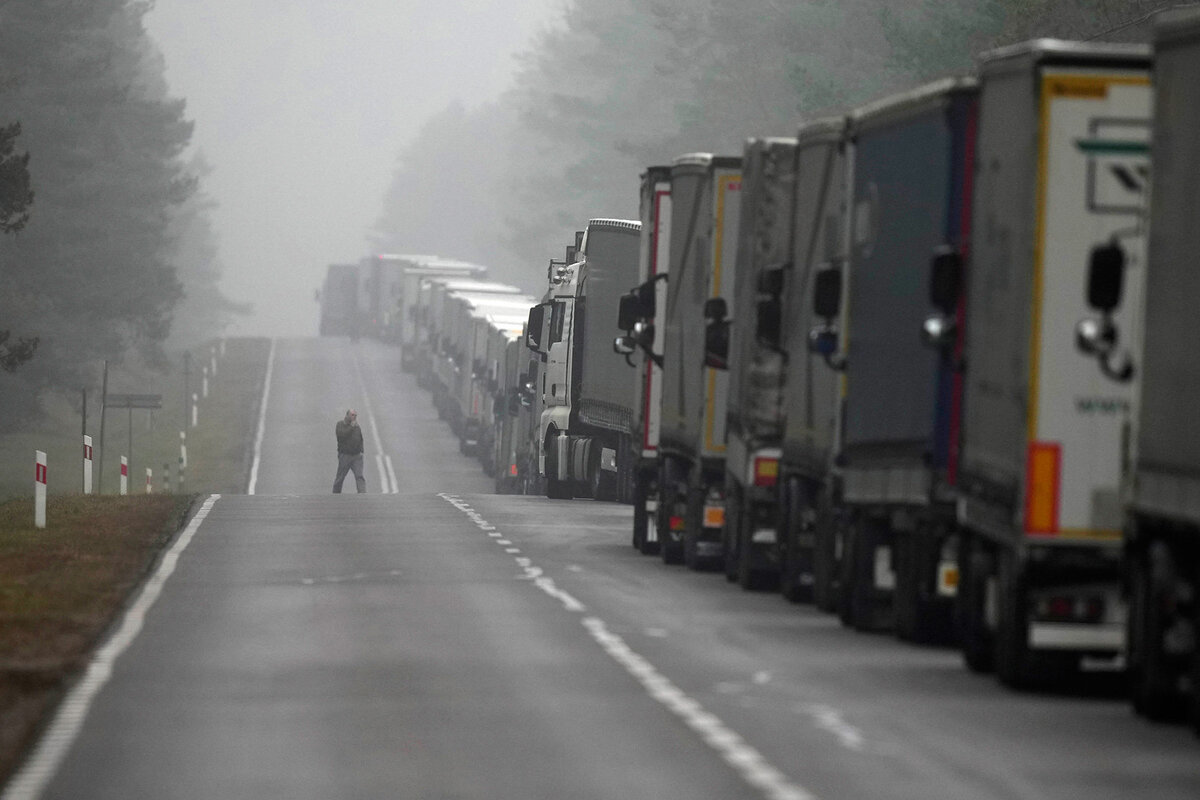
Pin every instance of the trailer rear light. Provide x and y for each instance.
(766, 471)
(676, 523)
(1069, 608)
(512, 470)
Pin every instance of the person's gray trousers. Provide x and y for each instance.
(346, 463)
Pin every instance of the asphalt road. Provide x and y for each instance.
(444, 642)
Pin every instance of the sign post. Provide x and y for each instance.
(87, 464)
(39, 489)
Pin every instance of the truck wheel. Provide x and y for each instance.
(864, 612)
(1014, 659)
(670, 544)
(796, 554)
(825, 550)
(693, 526)
(921, 616)
(730, 555)
(1153, 681)
(603, 483)
(975, 566)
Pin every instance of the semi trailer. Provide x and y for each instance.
(705, 199)
(639, 317)
(1062, 165)
(748, 346)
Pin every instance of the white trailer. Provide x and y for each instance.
(1045, 431)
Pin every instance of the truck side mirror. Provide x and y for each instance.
(533, 328)
(627, 311)
(1106, 275)
(716, 342)
(770, 280)
(715, 309)
(945, 279)
(827, 293)
(1099, 338)
(624, 345)
(770, 320)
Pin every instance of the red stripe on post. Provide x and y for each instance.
(39, 473)
(125, 470)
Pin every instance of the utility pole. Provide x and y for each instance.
(103, 407)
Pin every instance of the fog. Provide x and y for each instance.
(302, 108)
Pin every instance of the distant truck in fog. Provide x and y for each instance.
(339, 301)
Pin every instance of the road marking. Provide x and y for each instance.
(385, 488)
(262, 421)
(391, 473)
(829, 719)
(750, 764)
(35, 774)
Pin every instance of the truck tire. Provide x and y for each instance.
(603, 483)
(556, 489)
(642, 519)
(795, 555)
(860, 608)
(670, 548)
(1154, 681)
(693, 529)
(975, 564)
(921, 616)
(825, 551)
(1016, 663)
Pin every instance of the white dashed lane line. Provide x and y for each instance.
(750, 764)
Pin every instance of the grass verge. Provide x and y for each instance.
(60, 590)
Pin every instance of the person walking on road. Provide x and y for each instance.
(350, 452)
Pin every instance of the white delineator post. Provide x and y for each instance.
(195, 409)
(124, 475)
(87, 465)
(213, 370)
(149, 481)
(182, 457)
(222, 347)
(39, 489)
(204, 382)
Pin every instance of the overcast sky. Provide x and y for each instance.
(301, 107)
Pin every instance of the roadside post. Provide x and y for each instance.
(150, 402)
(39, 489)
(204, 382)
(182, 457)
(166, 486)
(124, 475)
(149, 481)
(213, 362)
(195, 409)
(87, 464)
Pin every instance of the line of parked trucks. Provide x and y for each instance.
(926, 365)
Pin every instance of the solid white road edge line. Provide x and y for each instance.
(750, 764)
(262, 421)
(37, 771)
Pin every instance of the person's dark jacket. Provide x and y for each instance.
(349, 438)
